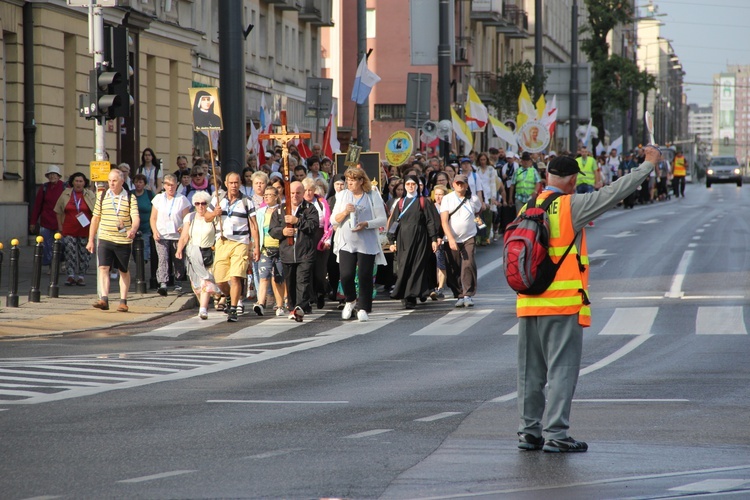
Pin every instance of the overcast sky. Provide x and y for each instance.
(706, 36)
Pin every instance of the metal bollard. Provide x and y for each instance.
(35, 294)
(15, 253)
(54, 286)
(140, 266)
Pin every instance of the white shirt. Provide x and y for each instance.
(462, 221)
(169, 214)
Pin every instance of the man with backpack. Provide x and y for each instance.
(550, 328)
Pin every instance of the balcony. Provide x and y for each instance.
(316, 12)
(285, 4)
(516, 22)
(489, 12)
(485, 84)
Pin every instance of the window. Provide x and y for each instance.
(396, 112)
(370, 20)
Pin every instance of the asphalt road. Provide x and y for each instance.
(416, 404)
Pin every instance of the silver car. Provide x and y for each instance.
(723, 169)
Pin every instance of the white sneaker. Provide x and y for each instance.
(259, 310)
(280, 312)
(460, 302)
(468, 302)
(362, 315)
(348, 310)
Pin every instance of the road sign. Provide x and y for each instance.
(318, 97)
(99, 171)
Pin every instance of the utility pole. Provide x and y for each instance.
(572, 140)
(538, 47)
(444, 71)
(363, 110)
(96, 45)
(232, 81)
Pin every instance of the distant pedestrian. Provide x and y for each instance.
(43, 213)
(167, 213)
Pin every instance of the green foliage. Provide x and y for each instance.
(505, 97)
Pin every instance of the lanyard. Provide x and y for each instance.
(171, 206)
(230, 208)
(407, 208)
(119, 203)
(77, 202)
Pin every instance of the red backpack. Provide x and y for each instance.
(526, 262)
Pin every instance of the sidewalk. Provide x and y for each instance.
(72, 311)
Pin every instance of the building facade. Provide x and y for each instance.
(731, 113)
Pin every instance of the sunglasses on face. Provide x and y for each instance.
(200, 203)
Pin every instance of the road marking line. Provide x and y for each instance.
(636, 297)
(276, 402)
(675, 291)
(373, 432)
(630, 321)
(625, 479)
(513, 330)
(49, 374)
(631, 400)
(439, 416)
(488, 268)
(706, 225)
(692, 245)
(186, 325)
(696, 238)
(700, 230)
(716, 297)
(712, 485)
(156, 476)
(720, 320)
(272, 454)
(453, 323)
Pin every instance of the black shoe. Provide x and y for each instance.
(232, 316)
(162, 291)
(564, 445)
(529, 442)
(321, 301)
(307, 310)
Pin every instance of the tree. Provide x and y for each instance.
(505, 97)
(611, 77)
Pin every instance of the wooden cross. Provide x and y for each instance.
(284, 137)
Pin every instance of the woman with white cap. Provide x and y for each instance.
(44, 210)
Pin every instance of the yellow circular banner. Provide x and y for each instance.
(398, 148)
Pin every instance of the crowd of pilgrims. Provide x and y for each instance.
(402, 253)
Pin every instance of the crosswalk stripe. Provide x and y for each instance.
(720, 320)
(272, 326)
(513, 330)
(630, 321)
(453, 323)
(186, 325)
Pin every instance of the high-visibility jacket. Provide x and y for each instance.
(588, 167)
(526, 180)
(568, 293)
(679, 166)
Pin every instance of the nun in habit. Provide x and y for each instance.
(415, 223)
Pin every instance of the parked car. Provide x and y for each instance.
(723, 169)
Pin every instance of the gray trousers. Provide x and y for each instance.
(549, 352)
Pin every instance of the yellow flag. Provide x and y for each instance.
(541, 106)
(461, 129)
(526, 110)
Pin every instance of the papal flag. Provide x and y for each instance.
(526, 109)
(503, 132)
(461, 129)
(475, 111)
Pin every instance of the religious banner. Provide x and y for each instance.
(206, 108)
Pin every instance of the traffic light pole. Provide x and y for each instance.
(96, 28)
(96, 45)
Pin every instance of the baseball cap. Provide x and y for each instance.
(563, 166)
(465, 159)
(461, 178)
(552, 153)
(268, 155)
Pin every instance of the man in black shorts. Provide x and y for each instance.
(115, 222)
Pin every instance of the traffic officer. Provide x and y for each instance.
(679, 171)
(550, 328)
(592, 178)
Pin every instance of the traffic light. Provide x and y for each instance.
(117, 48)
(102, 96)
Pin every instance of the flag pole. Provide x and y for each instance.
(216, 180)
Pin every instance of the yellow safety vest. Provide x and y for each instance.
(568, 293)
(679, 166)
(588, 168)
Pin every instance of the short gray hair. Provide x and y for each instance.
(201, 196)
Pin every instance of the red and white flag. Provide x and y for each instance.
(331, 144)
(302, 148)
